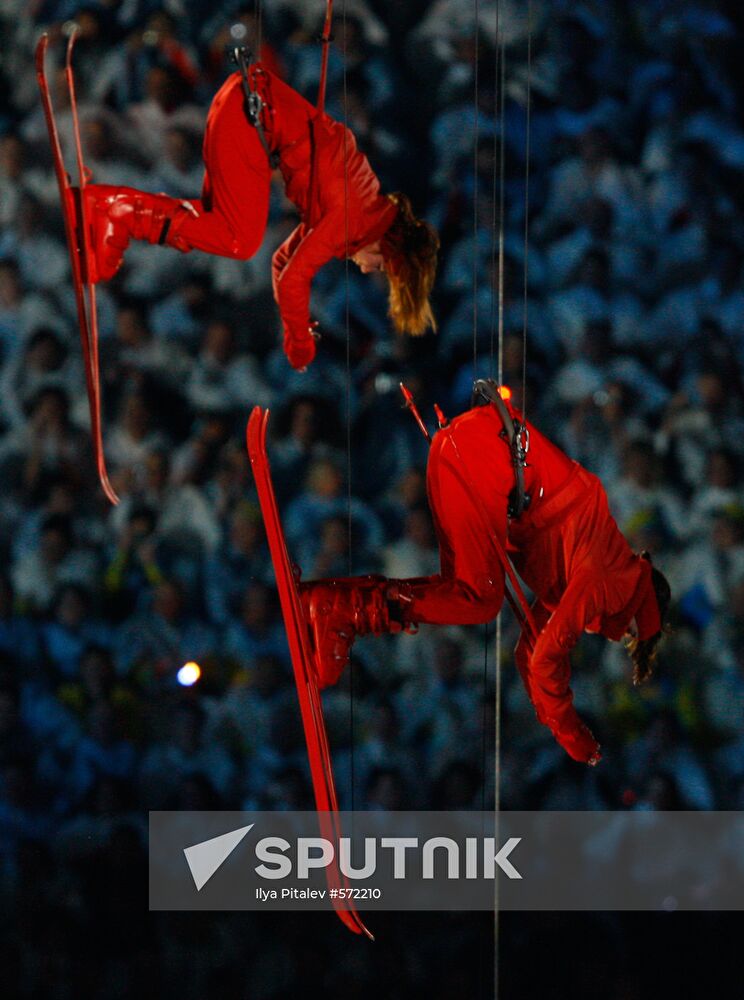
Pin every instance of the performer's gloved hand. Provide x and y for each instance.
(580, 744)
(300, 351)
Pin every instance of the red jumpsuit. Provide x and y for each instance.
(566, 547)
(325, 175)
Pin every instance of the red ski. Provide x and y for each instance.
(78, 244)
(298, 635)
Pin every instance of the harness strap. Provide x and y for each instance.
(516, 597)
(518, 438)
(254, 103)
(325, 39)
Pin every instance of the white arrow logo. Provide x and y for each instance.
(204, 859)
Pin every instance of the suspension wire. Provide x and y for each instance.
(476, 261)
(525, 307)
(501, 90)
(476, 113)
(347, 323)
(497, 721)
(494, 188)
(502, 154)
(485, 779)
(475, 283)
(258, 14)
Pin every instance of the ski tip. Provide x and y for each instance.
(352, 921)
(253, 421)
(71, 43)
(349, 917)
(108, 489)
(256, 427)
(370, 936)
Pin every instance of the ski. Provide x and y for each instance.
(298, 636)
(78, 245)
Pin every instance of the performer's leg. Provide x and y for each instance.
(340, 609)
(229, 220)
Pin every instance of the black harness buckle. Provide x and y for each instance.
(254, 106)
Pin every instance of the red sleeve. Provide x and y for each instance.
(292, 281)
(469, 590)
(549, 667)
(283, 255)
(522, 655)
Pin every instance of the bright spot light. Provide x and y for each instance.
(189, 674)
(238, 31)
(505, 392)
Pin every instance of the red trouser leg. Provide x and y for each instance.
(232, 214)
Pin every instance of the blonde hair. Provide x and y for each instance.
(410, 249)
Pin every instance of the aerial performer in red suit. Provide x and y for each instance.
(256, 123)
(562, 540)
(329, 180)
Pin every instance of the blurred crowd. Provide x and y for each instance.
(622, 250)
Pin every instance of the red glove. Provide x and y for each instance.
(300, 351)
(580, 744)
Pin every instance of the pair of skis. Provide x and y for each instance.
(78, 244)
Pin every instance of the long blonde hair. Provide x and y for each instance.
(410, 249)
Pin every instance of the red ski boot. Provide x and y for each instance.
(337, 611)
(117, 215)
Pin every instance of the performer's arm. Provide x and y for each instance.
(549, 669)
(292, 283)
(523, 652)
(283, 255)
